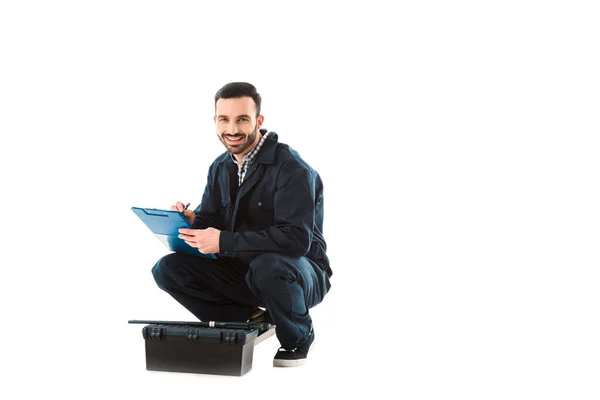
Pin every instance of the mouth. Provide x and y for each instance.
(231, 139)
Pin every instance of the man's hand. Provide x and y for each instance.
(190, 215)
(205, 240)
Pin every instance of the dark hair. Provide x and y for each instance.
(236, 90)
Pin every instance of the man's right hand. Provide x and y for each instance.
(188, 214)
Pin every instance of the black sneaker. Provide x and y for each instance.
(260, 316)
(294, 357)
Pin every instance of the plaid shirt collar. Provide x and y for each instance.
(249, 158)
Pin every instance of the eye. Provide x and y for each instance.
(243, 119)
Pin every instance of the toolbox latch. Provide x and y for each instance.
(153, 332)
(192, 334)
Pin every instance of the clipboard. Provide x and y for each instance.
(165, 225)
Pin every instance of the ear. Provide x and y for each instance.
(259, 121)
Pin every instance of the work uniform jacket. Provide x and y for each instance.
(278, 207)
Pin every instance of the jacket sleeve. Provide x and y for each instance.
(207, 213)
(294, 207)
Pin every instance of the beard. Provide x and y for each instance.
(242, 145)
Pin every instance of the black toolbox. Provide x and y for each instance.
(218, 348)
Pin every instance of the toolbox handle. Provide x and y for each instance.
(210, 324)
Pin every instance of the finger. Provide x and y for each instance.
(191, 243)
(179, 205)
(188, 213)
(187, 231)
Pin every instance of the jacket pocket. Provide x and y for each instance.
(262, 210)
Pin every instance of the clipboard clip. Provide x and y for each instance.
(156, 212)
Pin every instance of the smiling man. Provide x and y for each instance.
(262, 215)
(237, 127)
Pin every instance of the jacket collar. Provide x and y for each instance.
(266, 155)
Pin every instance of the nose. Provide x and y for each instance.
(232, 128)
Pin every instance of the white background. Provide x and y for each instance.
(458, 146)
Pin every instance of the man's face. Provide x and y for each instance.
(237, 124)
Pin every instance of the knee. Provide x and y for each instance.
(164, 270)
(269, 270)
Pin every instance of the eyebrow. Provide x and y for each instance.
(239, 116)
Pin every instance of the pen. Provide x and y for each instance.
(186, 206)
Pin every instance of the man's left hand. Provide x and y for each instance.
(205, 240)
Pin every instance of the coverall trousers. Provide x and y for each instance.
(225, 289)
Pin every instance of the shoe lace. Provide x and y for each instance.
(289, 351)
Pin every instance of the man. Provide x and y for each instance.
(262, 215)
